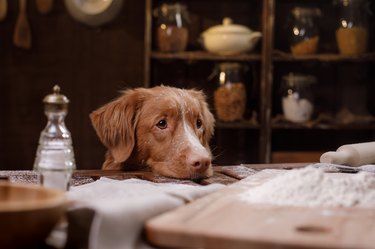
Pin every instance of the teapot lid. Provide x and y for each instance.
(228, 27)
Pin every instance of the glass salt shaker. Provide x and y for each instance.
(304, 37)
(172, 27)
(230, 93)
(54, 160)
(352, 30)
(297, 97)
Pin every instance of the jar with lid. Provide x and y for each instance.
(304, 37)
(230, 93)
(172, 27)
(297, 97)
(352, 30)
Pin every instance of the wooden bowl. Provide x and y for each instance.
(28, 213)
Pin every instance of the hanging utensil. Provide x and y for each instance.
(44, 6)
(3, 9)
(22, 32)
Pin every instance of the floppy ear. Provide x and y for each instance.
(207, 116)
(115, 124)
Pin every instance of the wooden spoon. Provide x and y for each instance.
(3, 9)
(22, 32)
(44, 6)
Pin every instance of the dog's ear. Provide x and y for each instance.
(115, 124)
(207, 116)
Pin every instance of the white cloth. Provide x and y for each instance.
(121, 207)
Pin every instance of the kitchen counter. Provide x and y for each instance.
(222, 174)
(226, 175)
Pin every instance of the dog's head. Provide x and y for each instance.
(166, 128)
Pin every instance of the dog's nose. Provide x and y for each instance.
(199, 163)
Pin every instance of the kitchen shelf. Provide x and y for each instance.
(340, 78)
(203, 55)
(326, 57)
(237, 125)
(291, 126)
(277, 56)
(296, 156)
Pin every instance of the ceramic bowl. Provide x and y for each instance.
(28, 214)
(229, 38)
(94, 13)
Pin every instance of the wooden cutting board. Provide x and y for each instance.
(223, 220)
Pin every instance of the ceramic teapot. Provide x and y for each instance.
(229, 38)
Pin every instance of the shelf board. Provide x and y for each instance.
(325, 57)
(277, 56)
(278, 156)
(294, 126)
(203, 55)
(322, 126)
(237, 125)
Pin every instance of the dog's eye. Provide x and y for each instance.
(162, 124)
(199, 123)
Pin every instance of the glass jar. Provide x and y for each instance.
(230, 93)
(352, 31)
(172, 27)
(54, 159)
(297, 97)
(304, 31)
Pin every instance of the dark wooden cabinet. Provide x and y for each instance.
(343, 82)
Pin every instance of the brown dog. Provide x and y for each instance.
(164, 128)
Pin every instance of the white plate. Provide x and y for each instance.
(93, 12)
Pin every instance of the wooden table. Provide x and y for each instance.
(222, 174)
(226, 223)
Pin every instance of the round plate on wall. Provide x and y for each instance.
(94, 13)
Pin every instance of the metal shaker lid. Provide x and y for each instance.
(56, 97)
(56, 102)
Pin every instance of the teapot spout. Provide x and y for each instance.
(255, 35)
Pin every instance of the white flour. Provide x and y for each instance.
(297, 109)
(311, 187)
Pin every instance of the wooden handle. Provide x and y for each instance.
(44, 6)
(3, 9)
(22, 32)
(22, 4)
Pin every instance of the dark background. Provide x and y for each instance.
(91, 65)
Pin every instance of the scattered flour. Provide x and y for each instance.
(311, 187)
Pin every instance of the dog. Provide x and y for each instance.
(164, 128)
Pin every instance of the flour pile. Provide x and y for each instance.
(311, 187)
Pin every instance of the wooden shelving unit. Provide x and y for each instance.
(270, 62)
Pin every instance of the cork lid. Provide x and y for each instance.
(299, 12)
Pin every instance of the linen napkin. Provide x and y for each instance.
(120, 207)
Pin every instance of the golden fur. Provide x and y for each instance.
(166, 128)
